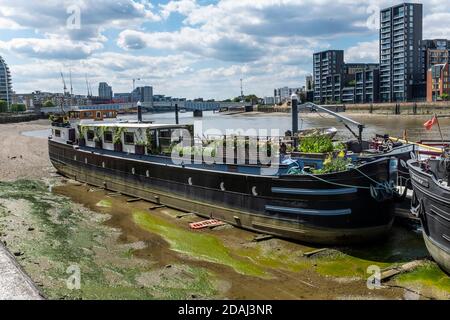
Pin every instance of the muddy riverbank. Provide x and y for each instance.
(23, 157)
(126, 251)
(59, 229)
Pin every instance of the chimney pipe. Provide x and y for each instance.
(139, 109)
(177, 121)
(294, 105)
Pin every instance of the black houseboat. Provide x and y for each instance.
(135, 159)
(431, 203)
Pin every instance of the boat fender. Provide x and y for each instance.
(374, 192)
(417, 207)
(403, 164)
(401, 197)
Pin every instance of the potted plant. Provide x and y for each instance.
(139, 148)
(117, 139)
(315, 147)
(98, 142)
(82, 135)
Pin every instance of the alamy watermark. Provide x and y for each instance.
(73, 282)
(374, 280)
(234, 146)
(73, 22)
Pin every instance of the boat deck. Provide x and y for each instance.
(245, 169)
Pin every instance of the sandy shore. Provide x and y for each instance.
(23, 157)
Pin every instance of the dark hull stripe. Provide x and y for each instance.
(309, 212)
(325, 192)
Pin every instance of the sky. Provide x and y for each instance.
(189, 48)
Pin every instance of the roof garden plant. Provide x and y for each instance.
(316, 144)
(334, 165)
(117, 138)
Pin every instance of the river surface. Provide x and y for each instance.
(375, 124)
(244, 123)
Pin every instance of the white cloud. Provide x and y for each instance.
(50, 48)
(363, 52)
(268, 42)
(183, 7)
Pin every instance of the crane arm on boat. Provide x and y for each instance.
(347, 121)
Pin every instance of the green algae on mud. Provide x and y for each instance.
(53, 234)
(429, 275)
(104, 204)
(195, 244)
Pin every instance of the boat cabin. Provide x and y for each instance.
(133, 138)
(96, 115)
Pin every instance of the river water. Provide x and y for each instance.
(375, 124)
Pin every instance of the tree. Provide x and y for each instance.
(48, 104)
(444, 96)
(3, 106)
(18, 107)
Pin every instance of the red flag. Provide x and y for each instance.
(430, 123)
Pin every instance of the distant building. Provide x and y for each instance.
(284, 94)
(123, 97)
(340, 82)
(400, 35)
(269, 100)
(25, 99)
(105, 91)
(144, 95)
(5, 82)
(432, 52)
(328, 68)
(309, 83)
(367, 84)
(438, 82)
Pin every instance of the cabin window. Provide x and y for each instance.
(129, 138)
(108, 137)
(99, 115)
(165, 140)
(57, 133)
(90, 135)
(87, 114)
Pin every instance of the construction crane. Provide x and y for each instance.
(71, 86)
(134, 82)
(89, 94)
(64, 83)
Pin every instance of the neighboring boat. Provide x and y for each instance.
(382, 146)
(326, 132)
(431, 203)
(337, 208)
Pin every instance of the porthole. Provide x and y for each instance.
(254, 191)
(85, 160)
(222, 186)
(103, 165)
(190, 181)
(147, 173)
(133, 171)
(75, 158)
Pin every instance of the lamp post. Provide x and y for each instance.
(139, 109)
(294, 106)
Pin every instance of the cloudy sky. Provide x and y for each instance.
(189, 48)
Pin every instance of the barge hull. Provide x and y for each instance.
(172, 196)
(432, 204)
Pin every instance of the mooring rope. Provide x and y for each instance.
(380, 192)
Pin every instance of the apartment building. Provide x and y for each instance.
(400, 36)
